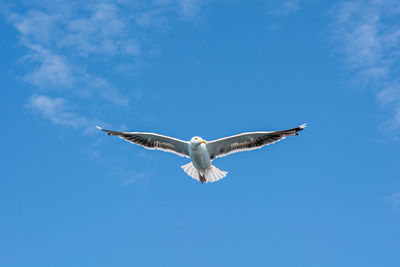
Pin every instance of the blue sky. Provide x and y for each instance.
(72, 196)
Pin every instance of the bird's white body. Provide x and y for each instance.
(200, 168)
(199, 155)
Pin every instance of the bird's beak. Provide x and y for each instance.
(203, 141)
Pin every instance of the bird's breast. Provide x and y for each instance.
(200, 157)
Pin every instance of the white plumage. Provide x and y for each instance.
(201, 152)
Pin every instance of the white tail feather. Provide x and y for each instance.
(191, 171)
(212, 174)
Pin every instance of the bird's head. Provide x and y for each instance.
(197, 140)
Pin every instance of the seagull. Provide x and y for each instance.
(201, 152)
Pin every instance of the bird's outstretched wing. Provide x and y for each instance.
(247, 141)
(153, 141)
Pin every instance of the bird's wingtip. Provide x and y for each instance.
(98, 127)
(304, 125)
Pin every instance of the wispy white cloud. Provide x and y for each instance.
(100, 27)
(53, 36)
(58, 111)
(368, 35)
(51, 71)
(128, 177)
(190, 8)
(103, 30)
(66, 41)
(279, 10)
(133, 178)
(48, 70)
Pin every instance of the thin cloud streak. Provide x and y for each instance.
(368, 35)
(190, 8)
(55, 72)
(130, 177)
(58, 111)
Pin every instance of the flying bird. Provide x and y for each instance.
(201, 152)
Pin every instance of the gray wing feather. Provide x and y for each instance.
(153, 141)
(247, 141)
